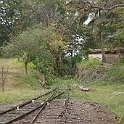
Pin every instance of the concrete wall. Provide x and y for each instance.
(95, 56)
(110, 58)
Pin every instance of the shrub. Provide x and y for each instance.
(116, 73)
(59, 82)
(28, 80)
(89, 63)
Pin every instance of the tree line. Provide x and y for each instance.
(56, 35)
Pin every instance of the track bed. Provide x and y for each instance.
(78, 112)
(57, 109)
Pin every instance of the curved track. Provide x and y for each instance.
(22, 110)
(57, 110)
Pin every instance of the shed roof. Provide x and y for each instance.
(107, 51)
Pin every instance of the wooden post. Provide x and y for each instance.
(4, 76)
(3, 82)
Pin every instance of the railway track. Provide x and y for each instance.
(30, 111)
(56, 110)
(19, 112)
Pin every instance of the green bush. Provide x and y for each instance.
(28, 80)
(116, 73)
(121, 58)
(89, 63)
(59, 82)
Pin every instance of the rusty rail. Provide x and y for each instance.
(49, 100)
(26, 103)
(66, 103)
(41, 107)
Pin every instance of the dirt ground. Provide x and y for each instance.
(6, 106)
(77, 112)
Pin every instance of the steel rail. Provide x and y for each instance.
(54, 97)
(26, 103)
(41, 107)
(66, 103)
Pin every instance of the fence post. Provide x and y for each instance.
(3, 82)
(4, 76)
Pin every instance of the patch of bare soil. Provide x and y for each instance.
(6, 106)
(76, 112)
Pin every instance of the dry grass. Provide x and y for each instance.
(19, 95)
(15, 90)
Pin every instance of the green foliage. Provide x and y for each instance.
(89, 63)
(28, 80)
(9, 14)
(43, 63)
(55, 31)
(44, 49)
(120, 59)
(31, 65)
(116, 73)
(60, 82)
(70, 63)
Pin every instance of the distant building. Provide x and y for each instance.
(109, 55)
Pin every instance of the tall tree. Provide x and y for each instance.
(101, 18)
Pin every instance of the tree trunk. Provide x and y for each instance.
(3, 81)
(102, 47)
(102, 44)
(26, 67)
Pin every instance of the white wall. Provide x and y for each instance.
(110, 58)
(95, 56)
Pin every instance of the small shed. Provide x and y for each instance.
(109, 55)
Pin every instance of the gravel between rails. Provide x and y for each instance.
(78, 112)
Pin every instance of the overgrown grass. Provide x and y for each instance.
(59, 82)
(28, 81)
(18, 86)
(109, 95)
(89, 63)
(19, 95)
(116, 73)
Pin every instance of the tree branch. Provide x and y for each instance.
(106, 8)
(87, 6)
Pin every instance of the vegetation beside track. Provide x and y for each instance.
(109, 95)
(19, 95)
(21, 88)
(18, 86)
